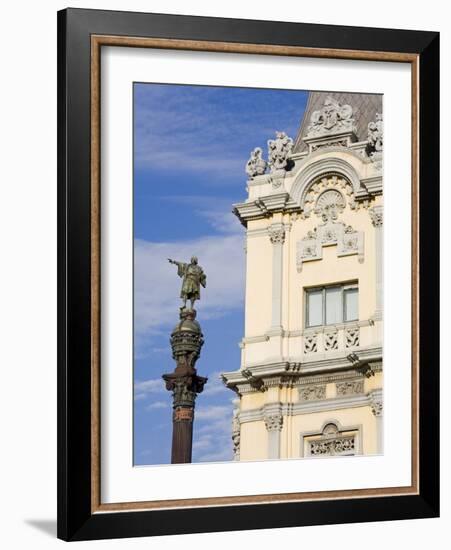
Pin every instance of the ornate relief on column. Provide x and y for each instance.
(377, 409)
(377, 219)
(273, 423)
(276, 234)
(236, 429)
(377, 216)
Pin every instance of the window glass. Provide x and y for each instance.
(334, 306)
(315, 308)
(351, 304)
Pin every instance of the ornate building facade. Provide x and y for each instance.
(310, 382)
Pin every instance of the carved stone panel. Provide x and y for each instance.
(330, 340)
(330, 447)
(312, 393)
(349, 388)
(332, 442)
(333, 118)
(310, 342)
(348, 241)
(330, 204)
(352, 336)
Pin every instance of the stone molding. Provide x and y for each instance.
(308, 407)
(304, 367)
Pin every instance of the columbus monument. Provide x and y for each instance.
(186, 343)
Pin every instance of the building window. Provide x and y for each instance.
(330, 305)
(332, 442)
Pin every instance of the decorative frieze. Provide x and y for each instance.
(331, 447)
(312, 393)
(332, 441)
(351, 387)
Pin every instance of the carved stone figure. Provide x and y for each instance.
(256, 165)
(193, 276)
(332, 118)
(375, 135)
(278, 151)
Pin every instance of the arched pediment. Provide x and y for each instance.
(324, 167)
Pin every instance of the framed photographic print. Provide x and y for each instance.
(248, 274)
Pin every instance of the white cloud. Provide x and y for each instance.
(215, 385)
(213, 433)
(213, 412)
(157, 405)
(145, 387)
(217, 456)
(157, 286)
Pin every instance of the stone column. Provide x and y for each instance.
(273, 424)
(377, 219)
(276, 234)
(184, 383)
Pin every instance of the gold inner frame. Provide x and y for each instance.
(97, 41)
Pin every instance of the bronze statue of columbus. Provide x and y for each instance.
(193, 276)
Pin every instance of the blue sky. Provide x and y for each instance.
(191, 144)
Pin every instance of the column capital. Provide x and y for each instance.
(273, 422)
(377, 215)
(377, 408)
(376, 402)
(276, 233)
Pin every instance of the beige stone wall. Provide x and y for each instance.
(266, 348)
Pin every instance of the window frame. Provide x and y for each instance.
(323, 288)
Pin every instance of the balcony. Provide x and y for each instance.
(325, 339)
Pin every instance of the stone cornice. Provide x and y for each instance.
(308, 407)
(257, 378)
(263, 207)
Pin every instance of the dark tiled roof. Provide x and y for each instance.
(365, 107)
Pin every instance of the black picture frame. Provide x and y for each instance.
(76, 520)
